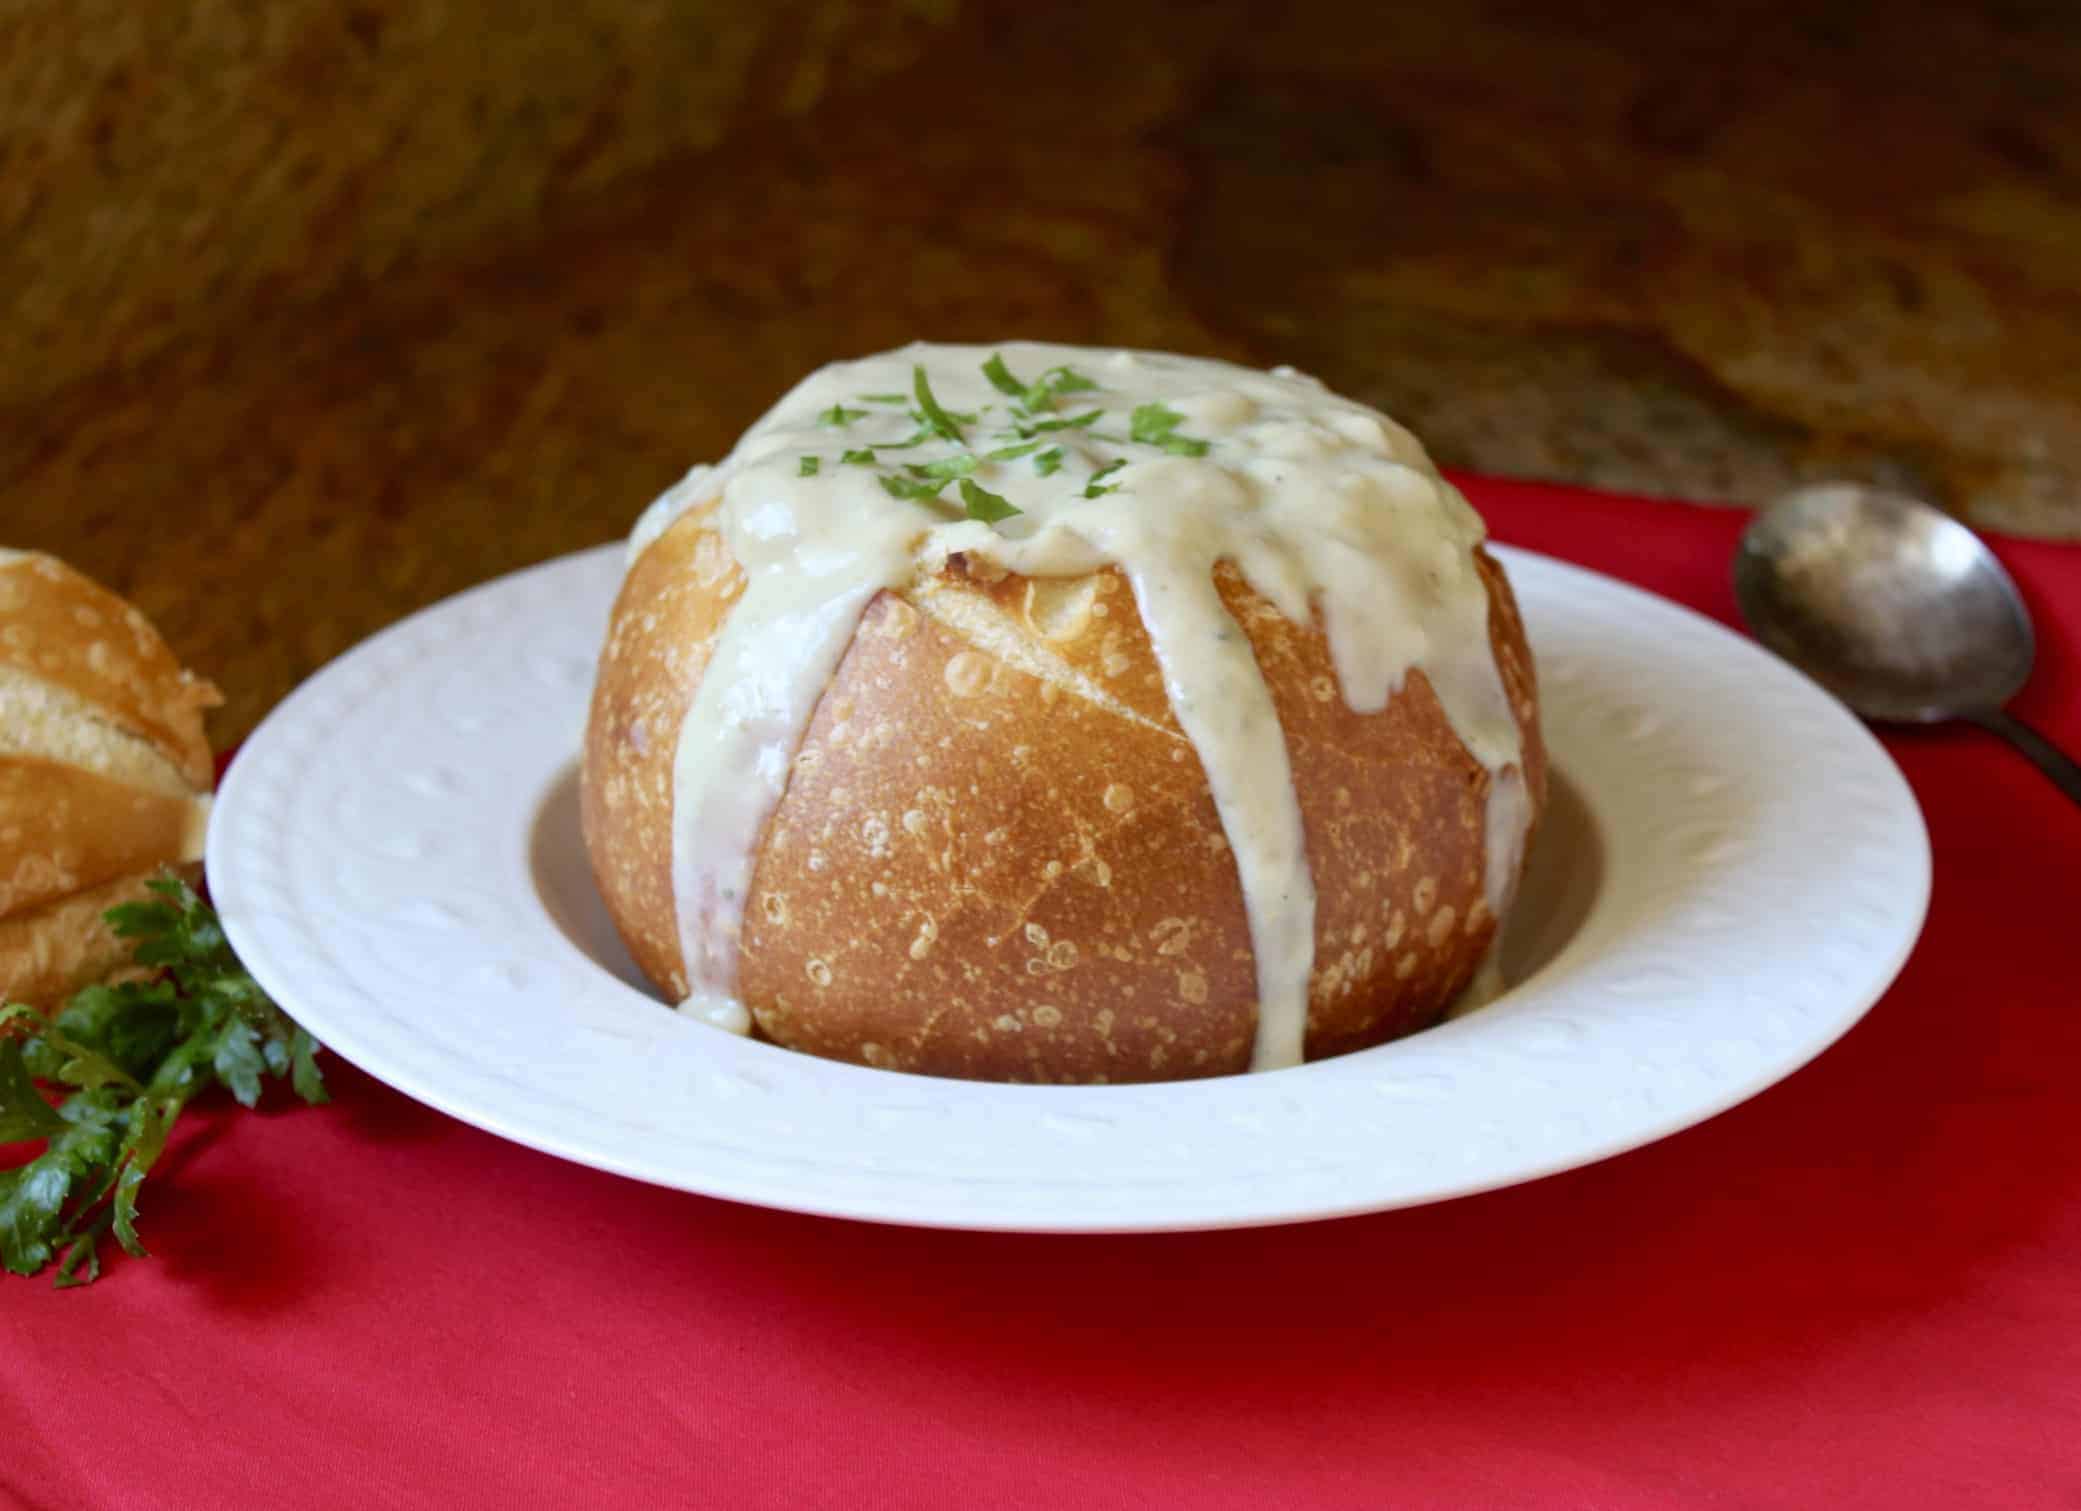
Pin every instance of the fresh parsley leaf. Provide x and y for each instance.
(859, 456)
(31, 1201)
(132, 1057)
(1048, 463)
(917, 438)
(958, 465)
(984, 505)
(1075, 422)
(304, 1074)
(81, 1261)
(1001, 377)
(1098, 487)
(1156, 425)
(24, 1114)
(147, 921)
(33, 1196)
(1064, 380)
(238, 1061)
(903, 487)
(72, 1063)
(132, 1025)
(809, 467)
(942, 423)
(1009, 453)
(151, 1121)
(1152, 422)
(1038, 397)
(838, 414)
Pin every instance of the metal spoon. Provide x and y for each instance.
(1897, 609)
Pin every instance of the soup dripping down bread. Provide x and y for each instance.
(1048, 714)
(105, 775)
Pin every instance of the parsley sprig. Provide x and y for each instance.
(984, 505)
(1098, 487)
(942, 423)
(129, 1059)
(1037, 397)
(923, 490)
(1157, 425)
(1075, 422)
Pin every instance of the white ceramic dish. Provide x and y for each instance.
(1733, 872)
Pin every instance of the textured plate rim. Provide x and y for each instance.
(244, 851)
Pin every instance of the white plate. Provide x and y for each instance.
(1733, 872)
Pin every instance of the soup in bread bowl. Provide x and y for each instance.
(1042, 713)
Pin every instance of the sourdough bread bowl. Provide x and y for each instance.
(105, 775)
(1207, 743)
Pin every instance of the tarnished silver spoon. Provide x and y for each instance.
(1896, 608)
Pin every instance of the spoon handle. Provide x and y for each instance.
(2055, 763)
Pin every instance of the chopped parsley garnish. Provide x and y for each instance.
(1025, 424)
(1061, 380)
(916, 438)
(1155, 425)
(1098, 487)
(959, 465)
(903, 487)
(1074, 422)
(1001, 377)
(809, 466)
(1034, 398)
(941, 422)
(984, 505)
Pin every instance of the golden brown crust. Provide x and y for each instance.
(49, 952)
(1506, 629)
(68, 631)
(988, 912)
(62, 829)
(663, 628)
(104, 772)
(1015, 871)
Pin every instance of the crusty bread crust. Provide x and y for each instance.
(997, 856)
(105, 774)
(62, 829)
(665, 622)
(66, 630)
(50, 952)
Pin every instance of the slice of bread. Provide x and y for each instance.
(105, 774)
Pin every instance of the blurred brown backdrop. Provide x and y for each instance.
(319, 311)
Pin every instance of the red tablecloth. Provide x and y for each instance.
(1863, 1288)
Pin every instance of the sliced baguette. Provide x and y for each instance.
(105, 773)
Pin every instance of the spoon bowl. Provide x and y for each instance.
(1894, 607)
(1897, 609)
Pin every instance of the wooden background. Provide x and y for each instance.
(318, 312)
